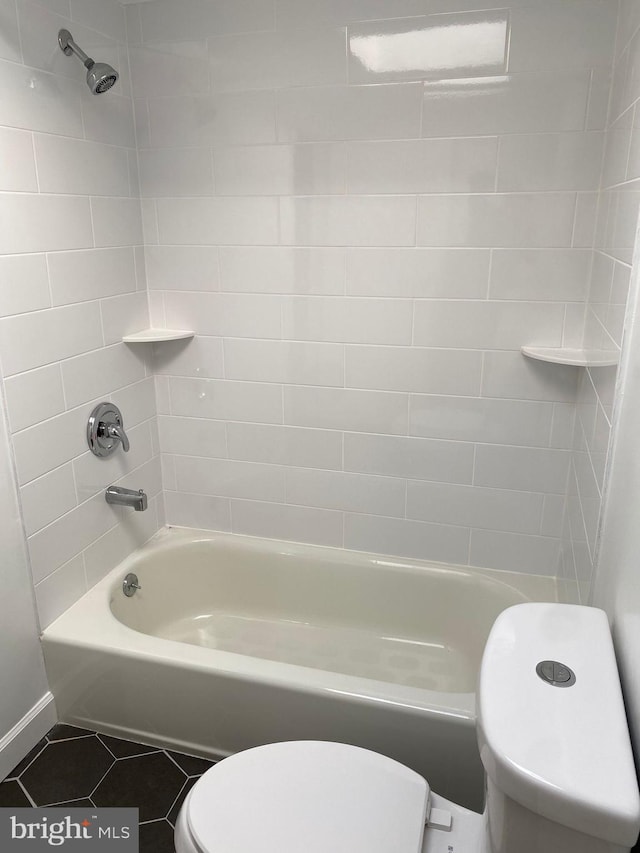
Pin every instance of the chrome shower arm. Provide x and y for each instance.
(68, 46)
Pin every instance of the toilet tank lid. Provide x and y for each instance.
(562, 752)
(314, 796)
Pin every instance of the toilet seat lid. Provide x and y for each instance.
(311, 796)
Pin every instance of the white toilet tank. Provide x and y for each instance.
(553, 735)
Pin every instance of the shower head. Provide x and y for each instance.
(100, 75)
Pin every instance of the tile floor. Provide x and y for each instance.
(76, 767)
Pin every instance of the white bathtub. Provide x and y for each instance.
(234, 641)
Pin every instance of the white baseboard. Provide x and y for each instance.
(26, 733)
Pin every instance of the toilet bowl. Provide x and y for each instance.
(553, 740)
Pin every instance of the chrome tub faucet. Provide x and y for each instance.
(126, 497)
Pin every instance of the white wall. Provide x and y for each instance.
(24, 684)
(615, 237)
(362, 249)
(71, 283)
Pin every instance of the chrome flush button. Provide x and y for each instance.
(555, 673)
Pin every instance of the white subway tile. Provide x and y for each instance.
(36, 454)
(430, 47)
(280, 169)
(112, 547)
(173, 172)
(284, 445)
(124, 315)
(474, 506)
(282, 269)
(116, 221)
(525, 468)
(137, 401)
(552, 515)
(35, 100)
(273, 60)
(60, 590)
(34, 396)
(550, 161)
(91, 274)
(481, 420)
(417, 458)
(224, 118)
(563, 425)
(57, 543)
(540, 274)
(238, 221)
(406, 538)
(422, 166)
(345, 491)
(41, 223)
(348, 221)
(429, 371)
(488, 325)
(198, 18)
(200, 357)
(76, 167)
(452, 273)
(291, 14)
(98, 373)
(17, 163)
(199, 437)
(333, 408)
(297, 523)
(199, 511)
(112, 123)
(511, 220)
(226, 400)
(9, 35)
(47, 498)
(234, 314)
(24, 284)
(230, 479)
(39, 338)
(341, 319)
(571, 34)
(514, 552)
(173, 68)
(162, 395)
(182, 267)
(292, 362)
(349, 112)
(512, 376)
(107, 18)
(513, 103)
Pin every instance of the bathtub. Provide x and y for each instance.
(234, 641)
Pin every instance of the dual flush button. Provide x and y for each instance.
(555, 673)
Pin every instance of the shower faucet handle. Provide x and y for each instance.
(105, 430)
(117, 431)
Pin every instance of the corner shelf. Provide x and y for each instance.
(574, 357)
(148, 336)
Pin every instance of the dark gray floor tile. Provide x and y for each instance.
(66, 770)
(149, 782)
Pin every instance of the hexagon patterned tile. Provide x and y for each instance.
(72, 766)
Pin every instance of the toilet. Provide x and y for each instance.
(554, 743)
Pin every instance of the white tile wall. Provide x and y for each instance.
(364, 208)
(363, 216)
(70, 219)
(609, 284)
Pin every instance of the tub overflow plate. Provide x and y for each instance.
(555, 673)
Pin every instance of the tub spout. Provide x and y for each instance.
(126, 497)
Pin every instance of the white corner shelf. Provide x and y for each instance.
(574, 357)
(148, 336)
